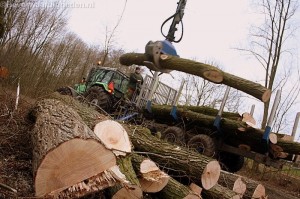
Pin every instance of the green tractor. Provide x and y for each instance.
(103, 88)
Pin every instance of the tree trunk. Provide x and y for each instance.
(202, 169)
(176, 190)
(219, 191)
(151, 178)
(245, 187)
(205, 71)
(65, 151)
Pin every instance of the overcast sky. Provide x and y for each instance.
(211, 29)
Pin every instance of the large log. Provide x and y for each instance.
(151, 178)
(245, 187)
(115, 138)
(199, 168)
(205, 71)
(66, 152)
(236, 132)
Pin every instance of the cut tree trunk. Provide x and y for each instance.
(176, 190)
(201, 169)
(205, 71)
(219, 191)
(151, 178)
(243, 186)
(115, 138)
(66, 152)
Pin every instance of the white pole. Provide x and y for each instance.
(18, 95)
(295, 125)
(252, 109)
(274, 108)
(224, 101)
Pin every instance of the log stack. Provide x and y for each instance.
(77, 153)
(237, 133)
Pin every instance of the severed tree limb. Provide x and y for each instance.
(205, 71)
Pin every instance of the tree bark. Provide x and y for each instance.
(151, 178)
(176, 190)
(64, 145)
(236, 132)
(245, 187)
(205, 71)
(201, 169)
(219, 191)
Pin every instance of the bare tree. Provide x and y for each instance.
(269, 45)
(109, 36)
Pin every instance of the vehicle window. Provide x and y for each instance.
(97, 75)
(107, 77)
(124, 85)
(117, 78)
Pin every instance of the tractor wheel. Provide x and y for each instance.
(174, 135)
(231, 162)
(64, 91)
(99, 98)
(203, 144)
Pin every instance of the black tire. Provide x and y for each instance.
(64, 91)
(174, 135)
(203, 144)
(98, 97)
(231, 162)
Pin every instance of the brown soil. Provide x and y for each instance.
(15, 153)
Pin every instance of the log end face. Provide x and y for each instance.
(71, 162)
(211, 174)
(113, 136)
(239, 187)
(259, 192)
(266, 95)
(213, 76)
(133, 191)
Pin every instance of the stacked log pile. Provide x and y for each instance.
(237, 133)
(78, 151)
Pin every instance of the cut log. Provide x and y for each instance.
(151, 178)
(65, 151)
(176, 190)
(233, 182)
(127, 190)
(245, 187)
(205, 71)
(200, 168)
(195, 188)
(113, 136)
(219, 191)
